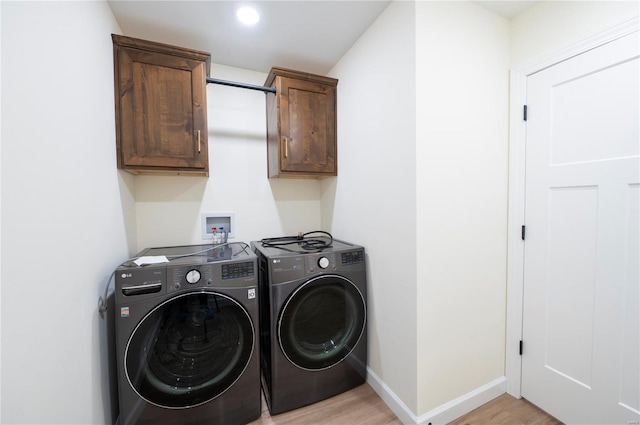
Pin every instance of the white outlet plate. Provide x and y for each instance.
(225, 219)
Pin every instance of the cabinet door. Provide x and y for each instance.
(163, 110)
(308, 127)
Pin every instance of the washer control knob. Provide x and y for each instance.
(193, 276)
(323, 262)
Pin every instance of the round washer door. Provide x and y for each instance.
(321, 322)
(189, 350)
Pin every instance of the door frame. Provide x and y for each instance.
(516, 207)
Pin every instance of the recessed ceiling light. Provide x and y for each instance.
(248, 15)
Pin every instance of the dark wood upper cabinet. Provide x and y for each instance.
(301, 124)
(161, 107)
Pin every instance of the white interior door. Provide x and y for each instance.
(581, 267)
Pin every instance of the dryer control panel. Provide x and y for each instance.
(333, 261)
(281, 265)
(321, 262)
(353, 257)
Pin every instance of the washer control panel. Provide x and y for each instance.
(192, 276)
(184, 277)
(236, 270)
(190, 267)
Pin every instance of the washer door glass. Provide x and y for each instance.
(321, 322)
(189, 350)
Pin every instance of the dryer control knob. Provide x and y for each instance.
(323, 262)
(193, 276)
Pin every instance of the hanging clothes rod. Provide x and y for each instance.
(241, 85)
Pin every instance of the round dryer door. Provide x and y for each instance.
(321, 322)
(189, 350)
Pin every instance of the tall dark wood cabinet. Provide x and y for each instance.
(161, 107)
(301, 124)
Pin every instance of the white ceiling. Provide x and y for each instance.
(507, 9)
(307, 35)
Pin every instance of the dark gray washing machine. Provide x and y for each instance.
(313, 322)
(187, 337)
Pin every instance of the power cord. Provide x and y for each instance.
(307, 242)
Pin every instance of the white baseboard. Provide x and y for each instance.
(442, 414)
(390, 398)
(466, 403)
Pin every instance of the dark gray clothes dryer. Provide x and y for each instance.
(187, 337)
(313, 321)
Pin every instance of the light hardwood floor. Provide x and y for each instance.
(362, 406)
(359, 406)
(507, 410)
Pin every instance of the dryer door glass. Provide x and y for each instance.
(321, 322)
(189, 350)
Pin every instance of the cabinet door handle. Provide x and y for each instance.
(286, 146)
(198, 141)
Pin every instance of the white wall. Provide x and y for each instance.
(67, 213)
(168, 208)
(372, 201)
(422, 129)
(462, 90)
(551, 25)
